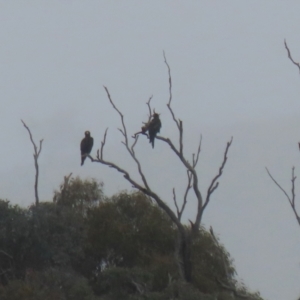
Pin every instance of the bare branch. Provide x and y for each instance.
(6, 254)
(121, 115)
(135, 141)
(293, 186)
(132, 153)
(149, 108)
(184, 237)
(180, 136)
(175, 202)
(139, 287)
(146, 190)
(36, 154)
(288, 197)
(214, 184)
(170, 80)
(143, 131)
(103, 143)
(290, 57)
(178, 122)
(188, 187)
(195, 160)
(170, 91)
(194, 174)
(293, 199)
(129, 149)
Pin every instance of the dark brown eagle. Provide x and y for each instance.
(153, 128)
(86, 146)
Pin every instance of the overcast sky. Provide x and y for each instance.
(231, 77)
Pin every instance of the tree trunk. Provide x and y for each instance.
(183, 254)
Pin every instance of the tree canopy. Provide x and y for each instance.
(121, 247)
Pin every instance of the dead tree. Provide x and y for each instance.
(185, 236)
(36, 154)
(291, 198)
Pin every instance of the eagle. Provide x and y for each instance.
(86, 146)
(153, 128)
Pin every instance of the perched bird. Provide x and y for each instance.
(299, 145)
(86, 146)
(154, 128)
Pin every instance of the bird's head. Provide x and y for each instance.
(155, 116)
(87, 133)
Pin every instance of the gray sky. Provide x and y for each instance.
(231, 77)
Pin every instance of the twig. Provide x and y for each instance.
(176, 205)
(36, 154)
(103, 143)
(290, 57)
(144, 128)
(187, 189)
(6, 254)
(293, 199)
(178, 122)
(121, 115)
(195, 160)
(149, 108)
(170, 90)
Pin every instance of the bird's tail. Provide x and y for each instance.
(82, 159)
(152, 141)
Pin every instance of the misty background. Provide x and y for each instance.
(231, 77)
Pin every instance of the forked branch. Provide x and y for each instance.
(196, 157)
(214, 183)
(170, 90)
(291, 199)
(184, 238)
(102, 144)
(129, 148)
(145, 188)
(37, 151)
(191, 167)
(177, 121)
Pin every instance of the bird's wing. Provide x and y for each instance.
(82, 144)
(156, 126)
(91, 144)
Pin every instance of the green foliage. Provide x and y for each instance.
(79, 194)
(57, 236)
(119, 248)
(14, 232)
(210, 261)
(123, 283)
(129, 230)
(48, 285)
